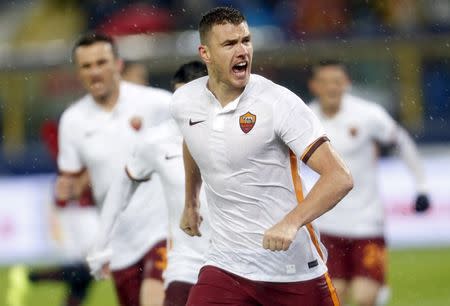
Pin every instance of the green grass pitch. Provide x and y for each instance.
(417, 278)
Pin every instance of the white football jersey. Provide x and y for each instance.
(100, 141)
(160, 152)
(353, 132)
(243, 152)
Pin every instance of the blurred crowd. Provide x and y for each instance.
(296, 17)
(403, 59)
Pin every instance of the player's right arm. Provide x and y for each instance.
(138, 170)
(387, 131)
(72, 177)
(409, 153)
(191, 219)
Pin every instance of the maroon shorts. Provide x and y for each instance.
(218, 287)
(177, 293)
(348, 258)
(128, 281)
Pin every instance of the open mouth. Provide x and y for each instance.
(240, 68)
(96, 84)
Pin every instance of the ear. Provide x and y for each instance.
(203, 51)
(312, 86)
(120, 65)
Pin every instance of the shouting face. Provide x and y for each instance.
(329, 84)
(98, 69)
(228, 52)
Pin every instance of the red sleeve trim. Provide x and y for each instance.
(71, 174)
(313, 147)
(145, 179)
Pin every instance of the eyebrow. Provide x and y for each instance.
(234, 41)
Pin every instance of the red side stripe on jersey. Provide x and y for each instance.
(334, 296)
(299, 194)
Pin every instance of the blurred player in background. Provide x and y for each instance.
(97, 133)
(353, 231)
(159, 151)
(239, 130)
(135, 72)
(71, 222)
(188, 72)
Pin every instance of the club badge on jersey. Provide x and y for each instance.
(353, 131)
(247, 122)
(136, 123)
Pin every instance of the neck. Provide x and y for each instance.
(223, 92)
(330, 111)
(108, 102)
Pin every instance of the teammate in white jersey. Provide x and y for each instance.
(159, 151)
(353, 231)
(97, 133)
(241, 134)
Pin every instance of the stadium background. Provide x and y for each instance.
(398, 54)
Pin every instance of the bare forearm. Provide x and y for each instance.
(334, 183)
(82, 182)
(193, 178)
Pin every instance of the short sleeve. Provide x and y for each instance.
(383, 127)
(69, 158)
(157, 109)
(154, 147)
(143, 162)
(297, 126)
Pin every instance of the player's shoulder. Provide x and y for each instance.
(273, 93)
(157, 139)
(78, 110)
(314, 106)
(145, 92)
(166, 131)
(193, 88)
(189, 95)
(363, 106)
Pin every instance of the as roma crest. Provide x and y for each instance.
(353, 131)
(247, 122)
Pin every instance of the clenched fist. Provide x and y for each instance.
(280, 236)
(190, 221)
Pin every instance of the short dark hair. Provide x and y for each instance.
(92, 38)
(189, 72)
(218, 15)
(327, 63)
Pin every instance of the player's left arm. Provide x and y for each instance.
(158, 111)
(387, 131)
(117, 199)
(408, 151)
(301, 131)
(138, 169)
(334, 183)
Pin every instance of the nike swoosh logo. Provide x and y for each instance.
(168, 157)
(195, 122)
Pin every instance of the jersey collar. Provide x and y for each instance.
(232, 106)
